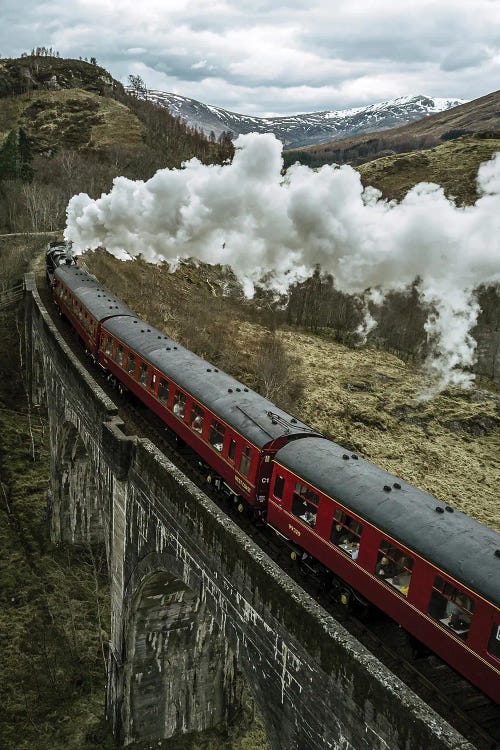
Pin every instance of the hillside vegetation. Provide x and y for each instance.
(453, 165)
(368, 400)
(71, 119)
(67, 126)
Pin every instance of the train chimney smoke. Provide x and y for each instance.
(249, 215)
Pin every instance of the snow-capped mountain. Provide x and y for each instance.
(303, 130)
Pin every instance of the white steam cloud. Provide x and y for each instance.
(250, 216)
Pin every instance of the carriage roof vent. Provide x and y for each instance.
(345, 457)
(439, 509)
(497, 553)
(229, 390)
(387, 488)
(354, 456)
(396, 486)
(448, 508)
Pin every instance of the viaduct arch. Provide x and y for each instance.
(194, 602)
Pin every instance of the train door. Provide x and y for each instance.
(264, 471)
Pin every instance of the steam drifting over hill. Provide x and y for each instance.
(246, 214)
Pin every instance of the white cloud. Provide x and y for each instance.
(246, 214)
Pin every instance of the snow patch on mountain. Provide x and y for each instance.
(305, 129)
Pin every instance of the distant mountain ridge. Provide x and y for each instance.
(296, 131)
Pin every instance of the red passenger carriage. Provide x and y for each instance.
(433, 570)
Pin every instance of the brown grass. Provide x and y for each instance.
(365, 399)
(71, 118)
(453, 165)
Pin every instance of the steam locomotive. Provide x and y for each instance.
(431, 568)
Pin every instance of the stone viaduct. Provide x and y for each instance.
(196, 606)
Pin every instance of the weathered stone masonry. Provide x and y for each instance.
(195, 602)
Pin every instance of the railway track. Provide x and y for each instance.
(472, 713)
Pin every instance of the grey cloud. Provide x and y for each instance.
(461, 58)
(351, 55)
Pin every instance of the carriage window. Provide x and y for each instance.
(108, 348)
(346, 532)
(279, 484)
(394, 566)
(179, 404)
(143, 373)
(119, 355)
(216, 436)
(494, 642)
(131, 364)
(232, 450)
(197, 418)
(154, 380)
(246, 457)
(163, 391)
(305, 504)
(451, 607)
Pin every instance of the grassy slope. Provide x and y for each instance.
(71, 118)
(453, 165)
(367, 399)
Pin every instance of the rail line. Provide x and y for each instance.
(463, 705)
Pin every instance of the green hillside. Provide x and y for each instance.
(453, 165)
(71, 119)
(66, 126)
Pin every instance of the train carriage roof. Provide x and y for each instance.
(258, 420)
(452, 541)
(98, 300)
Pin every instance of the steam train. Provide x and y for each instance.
(431, 568)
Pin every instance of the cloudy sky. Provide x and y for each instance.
(272, 57)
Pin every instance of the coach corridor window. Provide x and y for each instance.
(494, 642)
(179, 404)
(305, 504)
(279, 485)
(231, 451)
(197, 419)
(246, 457)
(394, 566)
(108, 348)
(131, 364)
(216, 436)
(346, 533)
(119, 355)
(163, 391)
(451, 607)
(143, 373)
